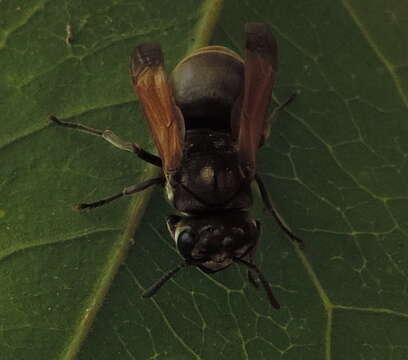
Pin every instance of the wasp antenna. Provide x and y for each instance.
(264, 282)
(159, 283)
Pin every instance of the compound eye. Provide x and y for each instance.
(186, 242)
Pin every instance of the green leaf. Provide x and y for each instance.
(335, 166)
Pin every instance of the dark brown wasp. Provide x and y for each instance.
(207, 121)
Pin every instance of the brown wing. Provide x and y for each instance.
(155, 94)
(249, 125)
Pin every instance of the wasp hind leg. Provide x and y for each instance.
(275, 112)
(272, 119)
(268, 204)
(130, 190)
(112, 138)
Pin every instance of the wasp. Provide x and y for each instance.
(207, 119)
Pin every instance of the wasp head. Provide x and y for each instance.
(214, 241)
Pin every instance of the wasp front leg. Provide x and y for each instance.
(251, 259)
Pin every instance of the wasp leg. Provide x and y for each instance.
(274, 116)
(251, 278)
(268, 204)
(126, 191)
(277, 109)
(112, 138)
(265, 283)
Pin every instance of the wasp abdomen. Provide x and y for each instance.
(206, 84)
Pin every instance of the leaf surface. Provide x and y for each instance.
(335, 166)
